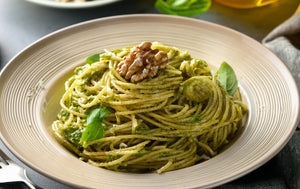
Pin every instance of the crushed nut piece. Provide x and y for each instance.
(142, 62)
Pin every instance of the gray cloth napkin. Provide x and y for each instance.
(282, 171)
(285, 42)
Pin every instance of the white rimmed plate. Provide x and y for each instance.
(32, 84)
(72, 5)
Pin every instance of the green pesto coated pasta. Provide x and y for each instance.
(156, 125)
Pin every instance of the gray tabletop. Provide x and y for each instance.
(22, 23)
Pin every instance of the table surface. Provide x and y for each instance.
(22, 23)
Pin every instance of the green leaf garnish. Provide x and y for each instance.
(95, 127)
(183, 7)
(93, 58)
(227, 78)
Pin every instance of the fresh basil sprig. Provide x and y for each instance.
(183, 7)
(226, 76)
(95, 127)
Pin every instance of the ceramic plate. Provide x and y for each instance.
(72, 5)
(33, 82)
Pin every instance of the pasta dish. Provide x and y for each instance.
(148, 108)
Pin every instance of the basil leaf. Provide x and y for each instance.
(95, 127)
(227, 78)
(183, 7)
(93, 58)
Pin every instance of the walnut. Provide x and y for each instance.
(143, 62)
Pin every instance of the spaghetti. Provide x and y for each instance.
(151, 126)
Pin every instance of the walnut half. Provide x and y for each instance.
(143, 62)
